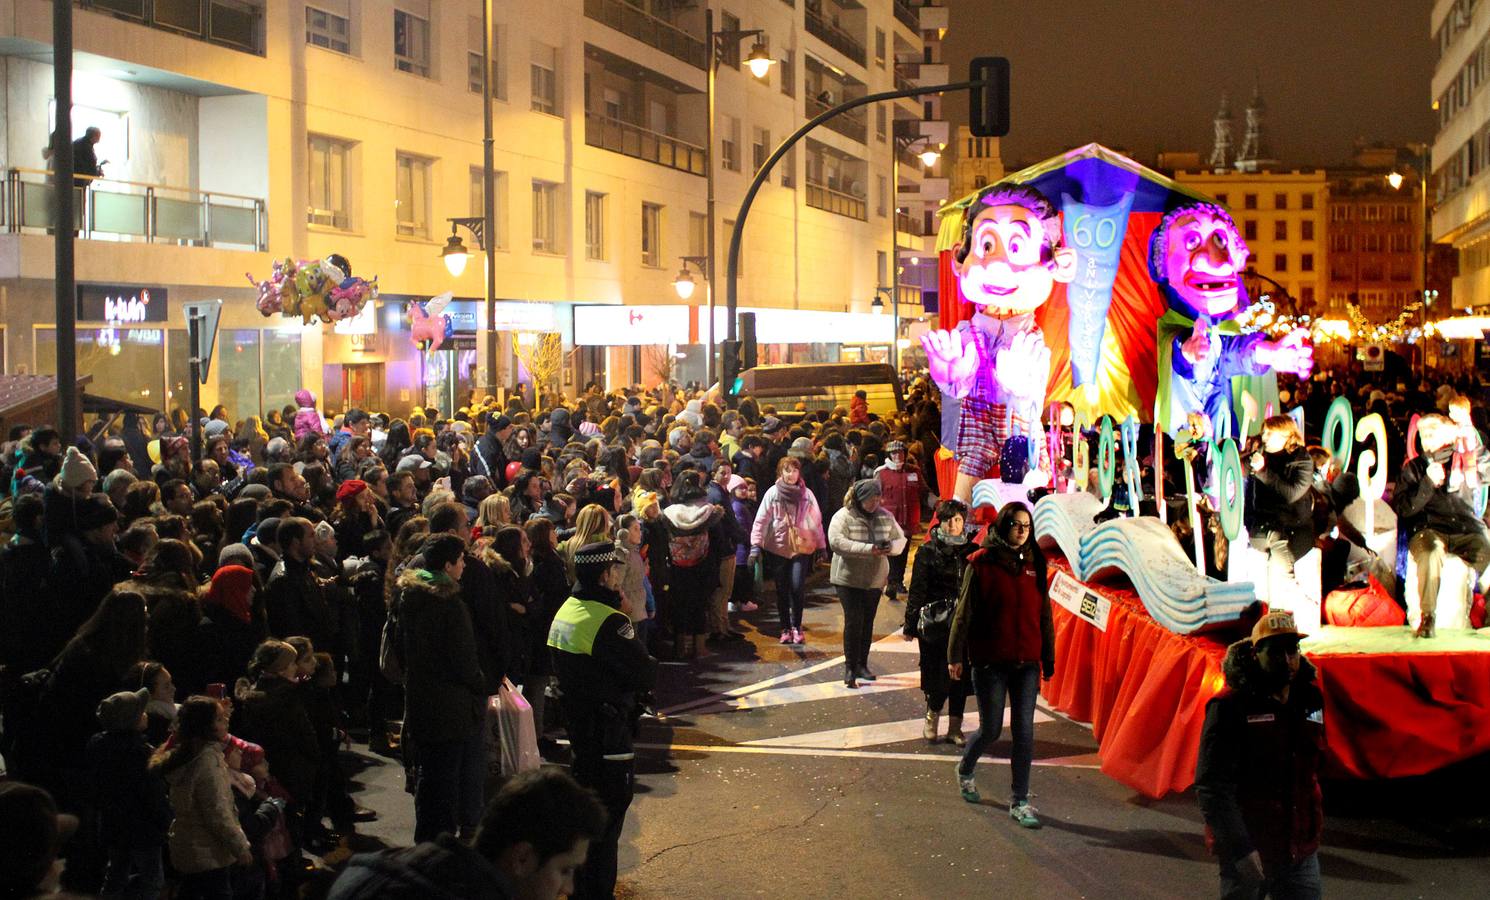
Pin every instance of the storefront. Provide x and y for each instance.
(648, 344)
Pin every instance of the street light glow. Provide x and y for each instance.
(1395, 180)
(455, 256)
(929, 156)
(684, 284)
(759, 60)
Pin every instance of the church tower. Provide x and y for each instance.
(1253, 157)
(1221, 146)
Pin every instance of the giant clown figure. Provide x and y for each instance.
(997, 364)
(1197, 257)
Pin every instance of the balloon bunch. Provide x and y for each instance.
(313, 289)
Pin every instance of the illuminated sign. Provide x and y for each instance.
(120, 304)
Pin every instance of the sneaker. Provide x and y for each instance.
(786, 636)
(1024, 814)
(748, 606)
(967, 785)
(797, 636)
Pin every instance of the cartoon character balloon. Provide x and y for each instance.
(1197, 257)
(313, 289)
(429, 327)
(996, 365)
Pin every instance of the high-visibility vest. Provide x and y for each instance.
(577, 623)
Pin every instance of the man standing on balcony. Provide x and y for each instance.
(85, 164)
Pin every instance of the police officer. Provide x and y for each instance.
(602, 668)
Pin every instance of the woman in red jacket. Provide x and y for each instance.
(1003, 624)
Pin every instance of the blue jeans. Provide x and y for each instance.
(452, 776)
(1299, 882)
(791, 588)
(136, 874)
(1022, 685)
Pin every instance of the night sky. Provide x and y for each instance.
(1147, 75)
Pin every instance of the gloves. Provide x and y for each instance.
(1047, 669)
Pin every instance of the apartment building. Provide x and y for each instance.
(1459, 190)
(240, 131)
(1282, 217)
(1376, 233)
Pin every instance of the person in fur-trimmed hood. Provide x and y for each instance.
(693, 562)
(1257, 777)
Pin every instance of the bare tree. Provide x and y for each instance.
(542, 354)
(662, 361)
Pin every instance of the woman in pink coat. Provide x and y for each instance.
(307, 418)
(789, 527)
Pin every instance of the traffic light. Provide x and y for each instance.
(729, 378)
(989, 105)
(747, 341)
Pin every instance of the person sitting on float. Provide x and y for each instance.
(997, 364)
(1279, 509)
(1197, 257)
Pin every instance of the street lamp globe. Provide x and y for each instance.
(759, 60)
(455, 256)
(684, 284)
(878, 306)
(1395, 180)
(929, 156)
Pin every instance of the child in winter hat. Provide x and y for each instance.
(77, 477)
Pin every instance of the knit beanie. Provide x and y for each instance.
(121, 711)
(866, 488)
(235, 555)
(76, 469)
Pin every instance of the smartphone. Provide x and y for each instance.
(215, 690)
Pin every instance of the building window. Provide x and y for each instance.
(651, 235)
(594, 225)
(788, 164)
(1307, 201)
(1280, 262)
(760, 147)
(1249, 201)
(413, 195)
(330, 183)
(879, 47)
(1280, 200)
(1249, 230)
(498, 241)
(410, 43)
(1306, 262)
(788, 69)
(1306, 293)
(473, 70)
(1280, 230)
(729, 144)
(879, 123)
(1339, 213)
(698, 234)
(544, 70)
(1221, 199)
(324, 29)
(1307, 227)
(729, 52)
(546, 231)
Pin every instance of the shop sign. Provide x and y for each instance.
(1080, 600)
(120, 304)
(620, 326)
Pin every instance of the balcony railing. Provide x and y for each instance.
(820, 196)
(650, 30)
(834, 37)
(238, 24)
(906, 223)
(636, 141)
(108, 209)
(846, 124)
(907, 14)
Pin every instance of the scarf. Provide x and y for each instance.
(951, 540)
(894, 465)
(790, 494)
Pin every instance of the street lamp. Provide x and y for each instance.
(684, 283)
(455, 254)
(877, 306)
(1395, 180)
(759, 62)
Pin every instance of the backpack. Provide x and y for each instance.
(390, 649)
(688, 550)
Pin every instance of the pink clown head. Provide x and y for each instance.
(1012, 255)
(1198, 255)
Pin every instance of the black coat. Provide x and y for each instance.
(492, 460)
(1420, 504)
(295, 603)
(490, 621)
(175, 613)
(444, 688)
(1278, 494)
(548, 588)
(275, 716)
(133, 806)
(223, 646)
(34, 623)
(935, 576)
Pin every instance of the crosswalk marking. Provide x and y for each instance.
(857, 736)
(1082, 761)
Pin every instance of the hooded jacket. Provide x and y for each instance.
(275, 716)
(776, 519)
(444, 689)
(205, 834)
(852, 536)
(1420, 504)
(442, 869)
(1257, 775)
(1003, 615)
(307, 419)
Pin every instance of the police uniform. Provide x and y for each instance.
(601, 668)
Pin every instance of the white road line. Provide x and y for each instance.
(1085, 761)
(857, 736)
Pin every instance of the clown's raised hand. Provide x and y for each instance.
(1291, 354)
(1023, 367)
(952, 363)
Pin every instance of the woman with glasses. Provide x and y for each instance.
(1003, 626)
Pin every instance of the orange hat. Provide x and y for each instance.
(1277, 622)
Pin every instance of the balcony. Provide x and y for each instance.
(820, 196)
(905, 223)
(238, 24)
(130, 211)
(638, 142)
(907, 15)
(833, 36)
(847, 124)
(650, 30)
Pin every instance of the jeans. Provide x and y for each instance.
(859, 607)
(897, 567)
(718, 609)
(449, 794)
(791, 588)
(213, 884)
(1298, 882)
(135, 874)
(1021, 682)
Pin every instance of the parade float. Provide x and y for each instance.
(1088, 296)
